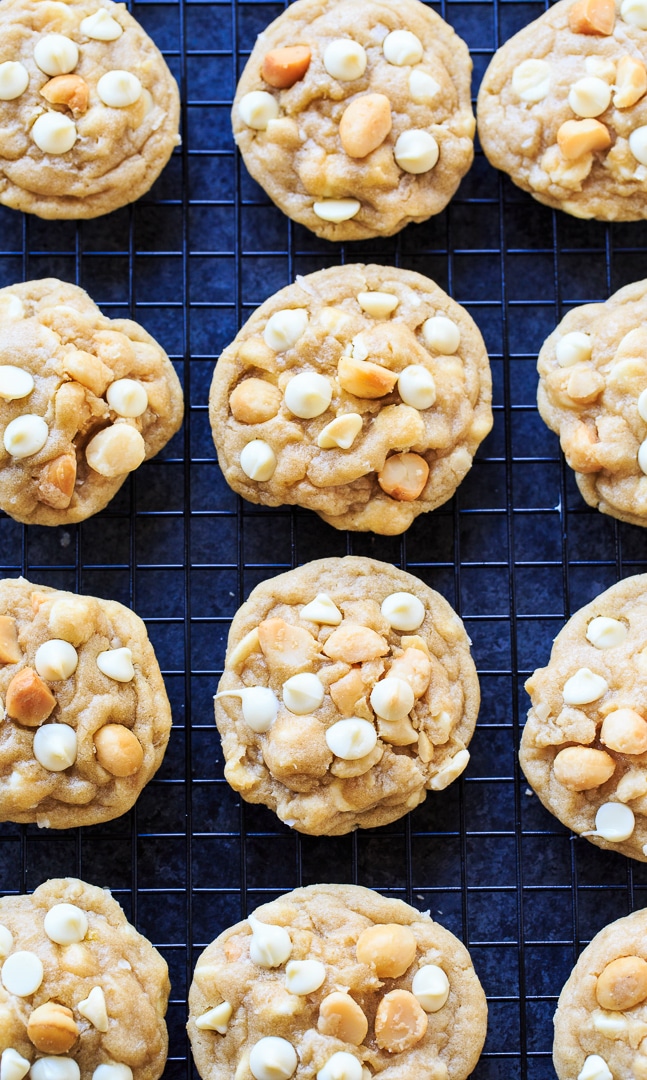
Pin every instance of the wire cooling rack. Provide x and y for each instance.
(516, 551)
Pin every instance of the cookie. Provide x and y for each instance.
(348, 692)
(84, 995)
(336, 981)
(562, 109)
(84, 399)
(584, 745)
(360, 392)
(86, 717)
(593, 393)
(356, 118)
(89, 111)
(601, 1014)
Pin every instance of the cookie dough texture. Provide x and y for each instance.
(324, 923)
(615, 1032)
(600, 744)
(86, 701)
(589, 394)
(119, 150)
(290, 767)
(338, 338)
(74, 355)
(299, 158)
(521, 111)
(111, 961)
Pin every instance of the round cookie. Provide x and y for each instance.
(601, 1014)
(336, 981)
(592, 378)
(360, 392)
(356, 118)
(84, 994)
(584, 745)
(348, 692)
(562, 109)
(84, 399)
(89, 111)
(86, 718)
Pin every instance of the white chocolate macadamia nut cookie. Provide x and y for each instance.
(357, 118)
(352, 996)
(602, 1010)
(89, 111)
(563, 109)
(82, 990)
(584, 746)
(84, 399)
(360, 392)
(349, 692)
(85, 716)
(593, 394)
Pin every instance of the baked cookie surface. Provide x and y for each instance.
(602, 1010)
(562, 109)
(584, 746)
(349, 691)
(360, 392)
(336, 980)
(82, 990)
(84, 399)
(86, 716)
(356, 119)
(592, 378)
(89, 111)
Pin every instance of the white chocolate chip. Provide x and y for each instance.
(392, 699)
(56, 54)
(93, 1008)
(66, 924)
(308, 395)
(304, 976)
(11, 309)
(336, 210)
(115, 450)
(403, 611)
(573, 348)
(22, 973)
(258, 460)
(113, 1071)
(401, 47)
(25, 435)
(127, 397)
(422, 87)
(55, 1068)
(531, 80)
(614, 822)
(340, 432)
(303, 693)
(56, 659)
(341, 1066)
(118, 89)
(634, 12)
(601, 67)
(12, 1065)
(642, 456)
(416, 387)
(638, 144)
(100, 26)
(117, 664)
(270, 945)
(442, 334)
(416, 151)
(15, 382)
(322, 610)
(642, 406)
(257, 109)
(6, 940)
(55, 747)
(609, 1024)
(272, 1058)
(351, 739)
(259, 706)
(589, 96)
(431, 987)
(216, 1019)
(14, 79)
(595, 1068)
(379, 305)
(345, 59)
(284, 328)
(606, 633)
(584, 687)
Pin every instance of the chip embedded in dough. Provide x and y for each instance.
(330, 972)
(360, 392)
(349, 691)
(86, 716)
(84, 399)
(357, 118)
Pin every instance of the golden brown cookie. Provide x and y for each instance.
(89, 111)
(361, 392)
(563, 109)
(357, 118)
(86, 716)
(84, 399)
(336, 981)
(83, 994)
(348, 692)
